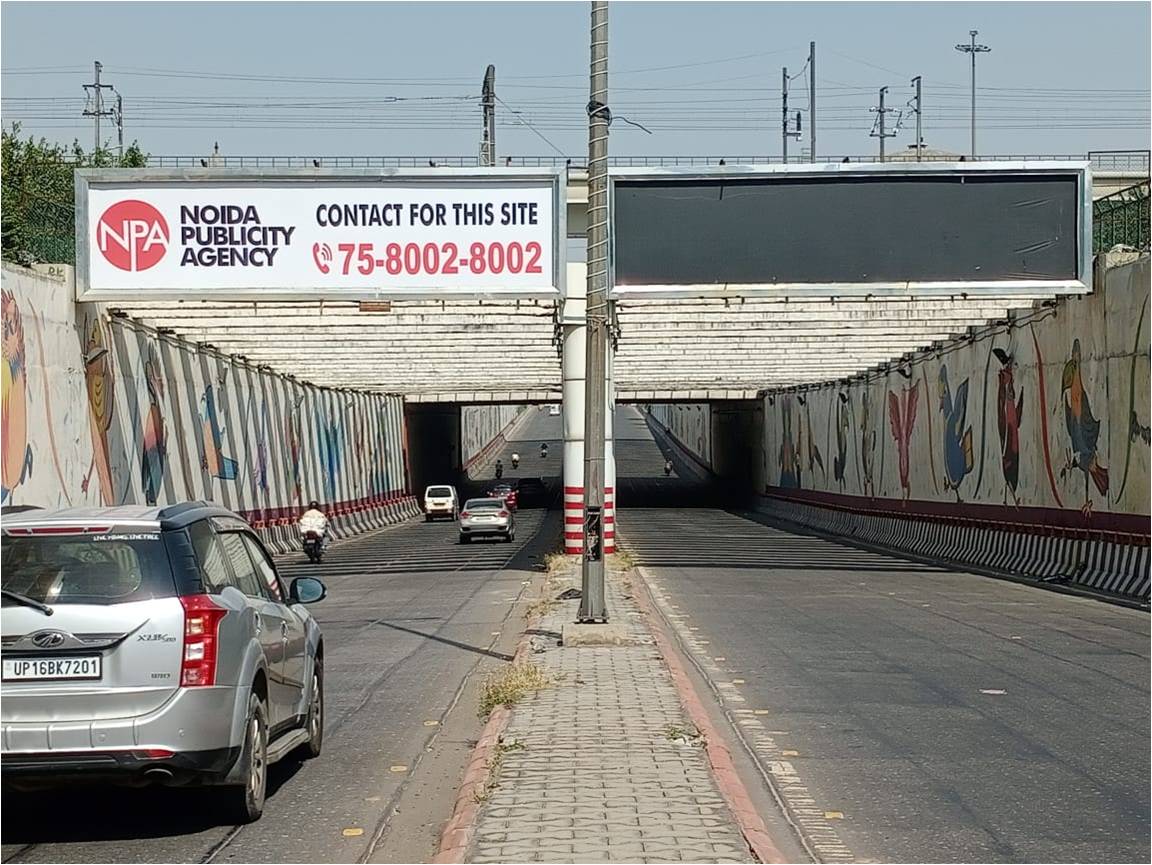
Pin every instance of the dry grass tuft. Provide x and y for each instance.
(511, 684)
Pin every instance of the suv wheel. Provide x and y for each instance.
(314, 721)
(244, 802)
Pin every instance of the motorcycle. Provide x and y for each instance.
(668, 468)
(313, 546)
(543, 452)
(515, 461)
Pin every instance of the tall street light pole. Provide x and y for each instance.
(592, 606)
(973, 49)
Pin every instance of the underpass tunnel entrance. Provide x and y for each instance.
(462, 445)
(689, 454)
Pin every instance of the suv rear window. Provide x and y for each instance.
(88, 569)
(484, 505)
(439, 492)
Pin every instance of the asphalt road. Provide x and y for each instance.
(409, 616)
(932, 715)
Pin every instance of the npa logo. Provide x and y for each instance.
(132, 235)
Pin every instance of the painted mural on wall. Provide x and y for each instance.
(1052, 412)
(97, 411)
(480, 424)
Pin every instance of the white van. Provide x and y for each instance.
(441, 501)
(554, 410)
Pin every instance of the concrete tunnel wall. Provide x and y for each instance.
(993, 442)
(99, 411)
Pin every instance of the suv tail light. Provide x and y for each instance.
(464, 515)
(502, 514)
(202, 617)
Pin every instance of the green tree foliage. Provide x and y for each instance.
(37, 207)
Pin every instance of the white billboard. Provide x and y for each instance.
(336, 234)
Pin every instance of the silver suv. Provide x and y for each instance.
(154, 645)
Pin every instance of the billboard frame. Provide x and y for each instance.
(85, 178)
(1082, 284)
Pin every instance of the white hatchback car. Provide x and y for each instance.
(441, 501)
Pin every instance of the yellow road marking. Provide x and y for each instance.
(790, 753)
(397, 768)
(431, 723)
(760, 711)
(352, 832)
(833, 815)
(737, 681)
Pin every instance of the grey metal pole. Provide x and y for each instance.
(812, 98)
(784, 113)
(488, 99)
(973, 94)
(973, 49)
(99, 105)
(919, 137)
(120, 125)
(883, 90)
(592, 607)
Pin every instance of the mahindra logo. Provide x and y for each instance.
(132, 235)
(49, 639)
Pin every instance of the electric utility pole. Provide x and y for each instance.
(785, 131)
(488, 102)
(97, 110)
(973, 49)
(878, 130)
(592, 608)
(919, 136)
(812, 100)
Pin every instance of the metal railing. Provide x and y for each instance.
(1135, 161)
(1121, 219)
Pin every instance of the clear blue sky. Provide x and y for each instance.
(1061, 77)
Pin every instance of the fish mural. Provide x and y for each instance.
(1083, 430)
(17, 459)
(260, 461)
(154, 456)
(902, 420)
(957, 434)
(212, 431)
(1009, 410)
(101, 384)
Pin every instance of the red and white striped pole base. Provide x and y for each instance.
(574, 520)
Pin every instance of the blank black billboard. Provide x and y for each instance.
(846, 229)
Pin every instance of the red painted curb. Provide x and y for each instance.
(735, 794)
(457, 834)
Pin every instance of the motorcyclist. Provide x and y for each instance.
(515, 460)
(667, 467)
(499, 469)
(544, 451)
(314, 520)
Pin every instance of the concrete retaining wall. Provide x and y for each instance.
(485, 431)
(1039, 426)
(689, 423)
(97, 410)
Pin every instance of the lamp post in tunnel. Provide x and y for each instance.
(592, 607)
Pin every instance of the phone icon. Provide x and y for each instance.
(322, 255)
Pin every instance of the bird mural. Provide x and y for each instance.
(813, 449)
(958, 458)
(211, 438)
(902, 420)
(1083, 430)
(17, 459)
(1009, 409)
(867, 446)
(154, 452)
(840, 460)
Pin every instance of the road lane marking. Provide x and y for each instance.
(352, 832)
(397, 768)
